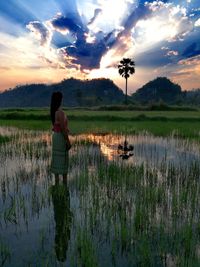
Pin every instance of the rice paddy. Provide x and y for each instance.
(140, 210)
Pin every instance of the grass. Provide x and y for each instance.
(159, 123)
(4, 139)
(77, 113)
(190, 129)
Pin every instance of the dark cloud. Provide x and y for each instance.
(140, 12)
(63, 23)
(96, 13)
(153, 58)
(82, 47)
(192, 50)
(40, 30)
(87, 55)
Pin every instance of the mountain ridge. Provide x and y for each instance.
(76, 93)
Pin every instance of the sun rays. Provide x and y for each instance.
(88, 38)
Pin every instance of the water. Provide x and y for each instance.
(143, 211)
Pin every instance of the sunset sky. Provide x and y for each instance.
(47, 41)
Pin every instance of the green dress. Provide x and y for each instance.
(60, 155)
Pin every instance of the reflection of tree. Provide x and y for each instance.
(63, 219)
(125, 151)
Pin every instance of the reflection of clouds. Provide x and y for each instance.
(148, 149)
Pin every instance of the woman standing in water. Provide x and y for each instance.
(60, 139)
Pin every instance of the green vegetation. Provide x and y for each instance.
(159, 123)
(159, 89)
(144, 212)
(5, 253)
(4, 139)
(76, 93)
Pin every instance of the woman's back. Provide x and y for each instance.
(60, 123)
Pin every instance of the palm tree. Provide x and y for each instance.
(126, 68)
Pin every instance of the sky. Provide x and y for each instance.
(48, 41)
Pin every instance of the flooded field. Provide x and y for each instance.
(120, 207)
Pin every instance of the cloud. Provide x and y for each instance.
(193, 61)
(172, 53)
(191, 50)
(181, 73)
(65, 24)
(197, 23)
(165, 21)
(41, 32)
(86, 50)
(145, 28)
(101, 40)
(4, 68)
(87, 55)
(97, 11)
(187, 72)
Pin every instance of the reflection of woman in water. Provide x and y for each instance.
(63, 219)
(60, 138)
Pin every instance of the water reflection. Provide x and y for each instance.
(146, 149)
(118, 210)
(125, 151)
(62, 217)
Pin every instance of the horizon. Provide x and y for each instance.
(49, 42)
(86, 79)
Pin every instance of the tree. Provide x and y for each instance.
(79, 97)
(126, 68)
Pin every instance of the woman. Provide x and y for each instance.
(60, 138)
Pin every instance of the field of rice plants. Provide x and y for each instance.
(186, 124)
(118, 208)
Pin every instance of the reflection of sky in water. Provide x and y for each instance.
(28, 179)
(149, 149)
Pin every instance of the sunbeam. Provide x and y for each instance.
(93, 35)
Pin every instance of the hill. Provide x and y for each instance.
(159, 89)
(76, 93)
(192, 97)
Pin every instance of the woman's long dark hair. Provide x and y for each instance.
(56, 100)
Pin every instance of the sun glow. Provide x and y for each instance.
(108, 20)
(152, 31)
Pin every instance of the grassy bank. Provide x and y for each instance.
(77, 114)
(158, 128)
(159, 123)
